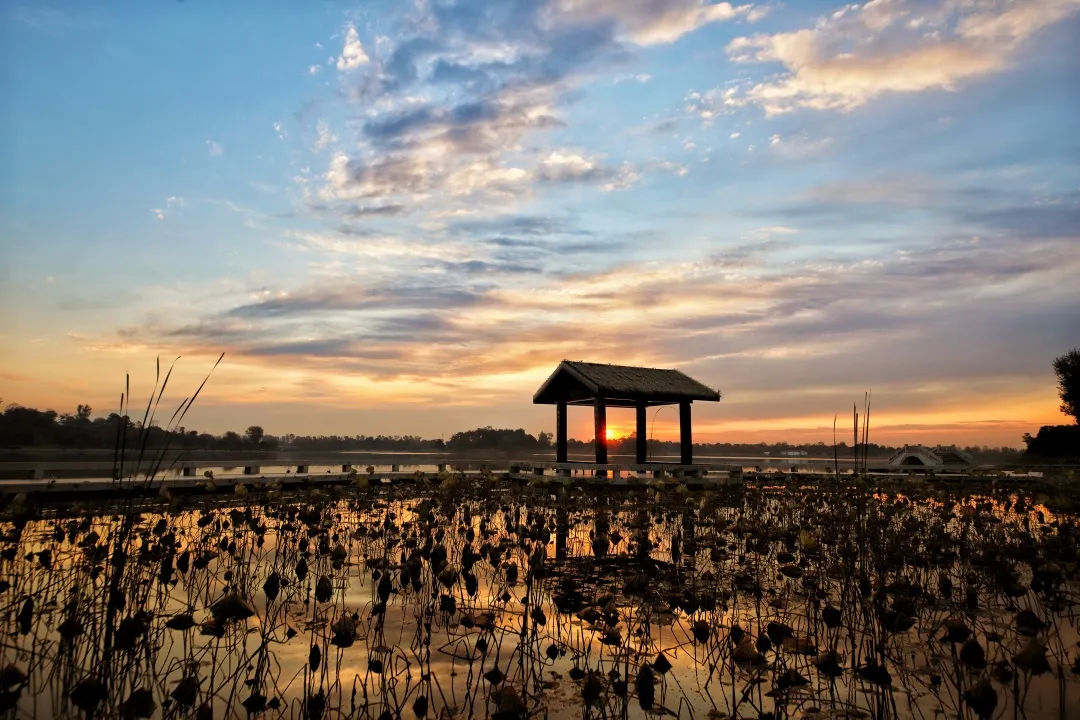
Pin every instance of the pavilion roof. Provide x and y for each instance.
(577, 382)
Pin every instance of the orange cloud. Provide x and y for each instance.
(898, 47)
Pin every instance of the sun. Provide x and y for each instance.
(611, 434)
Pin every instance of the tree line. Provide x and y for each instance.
(22, 427)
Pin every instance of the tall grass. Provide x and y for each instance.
(126, 480)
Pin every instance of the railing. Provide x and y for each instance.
(201, 476)
(628, 471)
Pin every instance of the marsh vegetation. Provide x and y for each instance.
(452, 599)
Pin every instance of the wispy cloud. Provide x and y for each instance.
(798, 146)
(324, 136)
(647, 22)
(754, 318)
(171, 202)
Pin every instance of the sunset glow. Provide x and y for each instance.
(398, 218)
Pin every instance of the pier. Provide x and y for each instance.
(57, 479)
(192, 477)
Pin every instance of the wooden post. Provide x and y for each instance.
(600, 438)
(642, 452)
(686, 436)
(560, 431)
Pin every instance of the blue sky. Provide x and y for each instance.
(397, 217)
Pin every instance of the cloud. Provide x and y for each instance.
(861, 52)
(375, 246)
(650, 22)
(324, 137)
(173, 201)
(562, 165)
(460, 150)
(784, 324)
(798, 146)
(461, 102)
(352, 53)
(355, 297)
(640, 78)
(670, 166)
(1052, 216)
(887, 189)
(214, 148)
(759, 313)
(359, 211)
(541, 226)
(710, 104)
(897, 197)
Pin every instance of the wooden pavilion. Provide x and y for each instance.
(604, 386)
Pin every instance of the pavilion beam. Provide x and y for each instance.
(560, 432)
(600, 423)
(641, 454)
(686, 435)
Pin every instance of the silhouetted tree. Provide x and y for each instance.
(489, 438)
(1067, 368)
(254, 434)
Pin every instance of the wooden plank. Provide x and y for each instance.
(223, 483)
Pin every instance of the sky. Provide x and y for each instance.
(398, 217)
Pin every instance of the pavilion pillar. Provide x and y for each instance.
(560, 431)
(686, 436)
(641, 454)
(600, 423)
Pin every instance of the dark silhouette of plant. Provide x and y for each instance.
(1067, 369)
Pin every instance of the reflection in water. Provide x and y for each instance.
(486, 601)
